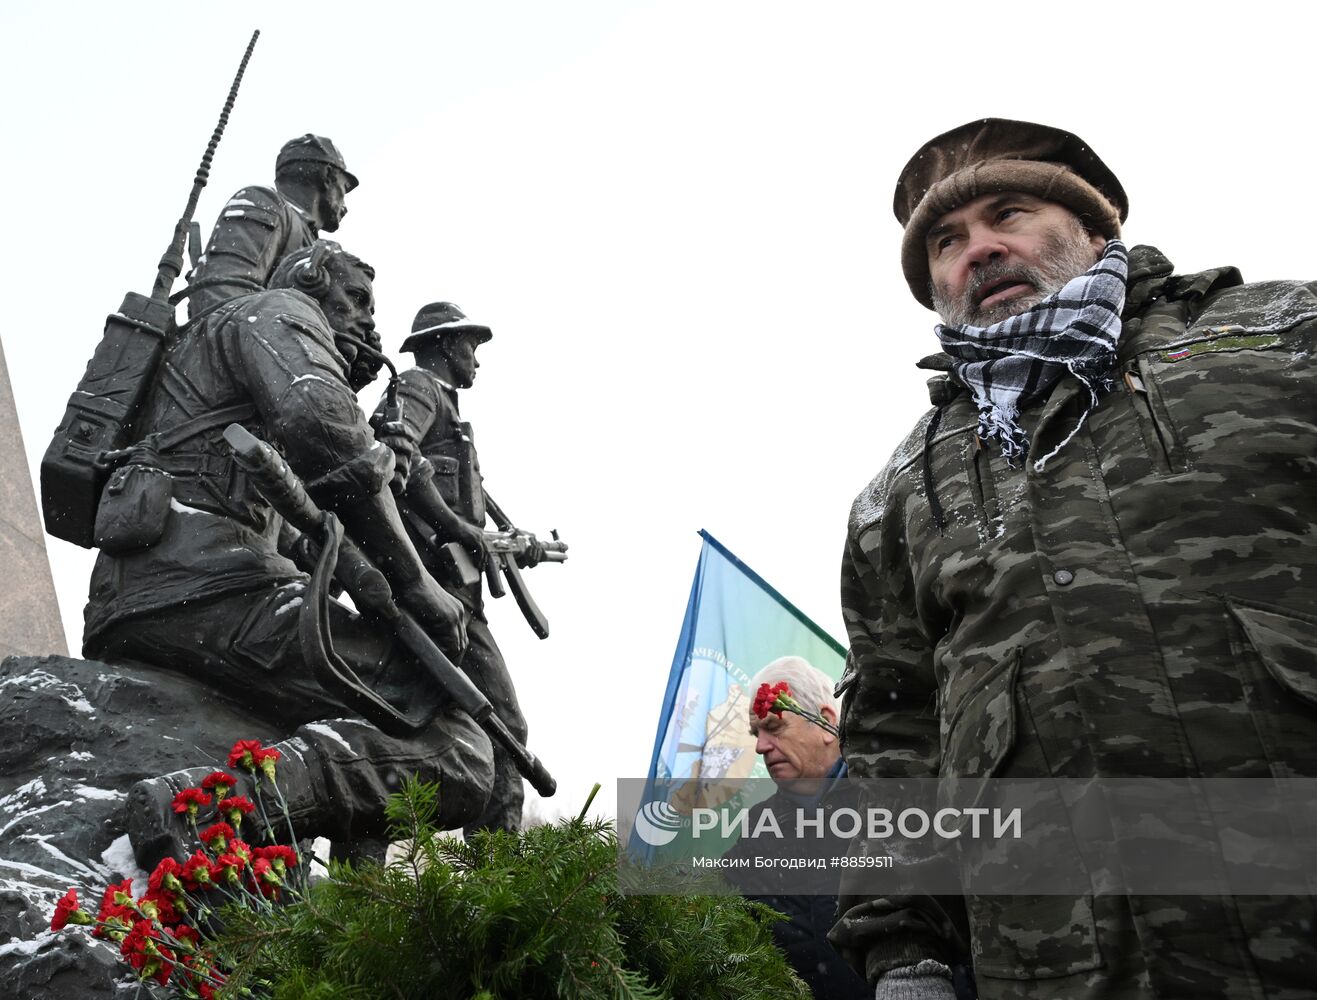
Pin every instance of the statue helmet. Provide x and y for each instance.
(439, 319)
(313, 149)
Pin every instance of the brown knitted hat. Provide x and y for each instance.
(992, 155)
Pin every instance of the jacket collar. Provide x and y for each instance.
(1151, 276)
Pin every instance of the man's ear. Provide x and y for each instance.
(829, 713)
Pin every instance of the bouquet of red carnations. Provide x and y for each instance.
(164, 933)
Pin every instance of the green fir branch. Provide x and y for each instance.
(539, 914)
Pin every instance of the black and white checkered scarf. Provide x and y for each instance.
(1012, 363)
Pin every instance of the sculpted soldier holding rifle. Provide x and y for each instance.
(443, 501)
(211, 592)
(226, 474)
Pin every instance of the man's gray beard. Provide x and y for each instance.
(1065, 255)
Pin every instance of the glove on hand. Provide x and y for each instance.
(929, 980)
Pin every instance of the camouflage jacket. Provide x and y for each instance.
(1144, 607)
(267, 361)
(256, 228)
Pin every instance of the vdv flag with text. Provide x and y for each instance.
(735, 625)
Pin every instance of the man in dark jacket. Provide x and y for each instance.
(1093, 559)
(805, 762)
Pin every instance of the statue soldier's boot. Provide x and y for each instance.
(156, 830)
(335, 778)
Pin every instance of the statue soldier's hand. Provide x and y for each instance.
(393, 435)
(533, 554)
(473, 540)
(440, 613)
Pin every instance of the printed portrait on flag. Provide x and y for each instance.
(736, 624)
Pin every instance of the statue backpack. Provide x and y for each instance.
(93, 438)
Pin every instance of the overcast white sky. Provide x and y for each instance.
(676, 217)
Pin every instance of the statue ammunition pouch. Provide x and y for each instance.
(457, 475)
(471, 492)
(134, 508)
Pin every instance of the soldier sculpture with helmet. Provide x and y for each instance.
(260, 225)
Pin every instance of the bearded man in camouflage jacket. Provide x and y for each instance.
(1094, 558)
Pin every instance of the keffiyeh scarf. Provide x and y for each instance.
(1012, 363)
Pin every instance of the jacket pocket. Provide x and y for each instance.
(1276, 652)
(1180, 390)
(1012, 937)
(1285, 642)
(1159, 434)
(980, 733)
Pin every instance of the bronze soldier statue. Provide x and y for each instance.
(429, 425)
(259, 225)
(201, 580)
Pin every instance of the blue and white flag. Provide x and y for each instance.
(736, 624)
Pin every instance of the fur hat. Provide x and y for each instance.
(995, 155)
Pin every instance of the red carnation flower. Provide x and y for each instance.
(236, 807)
(163, 907)
(117, 896)
(165, 968)
(140, 949)
(165, 877)
(133, 946)
(281, 856)
(244, 754)
(767, 699)
(265, 759)
(777, 699)
(185, 934)
(195, 873)
(217, 836)
(219, 782)
(68, 912)
(227, 867)
(189, 799)
(265, 878)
